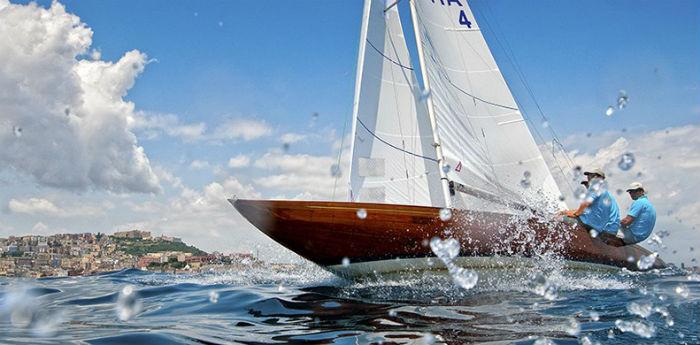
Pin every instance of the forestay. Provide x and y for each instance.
(484, 139)
(393, 160)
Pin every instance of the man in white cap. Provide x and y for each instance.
(640, 220)
(599, 210)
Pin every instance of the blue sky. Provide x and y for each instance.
(278, 63)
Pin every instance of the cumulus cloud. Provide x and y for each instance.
(199, 164)
(152, 126)
(241, 129)
(45, 207)
(291, 138)
(240, 161)
(63, 118)
(667, 162)
(303, 175)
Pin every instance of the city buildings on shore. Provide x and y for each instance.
(87, 253)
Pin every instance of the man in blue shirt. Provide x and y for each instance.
(599, 211)
(640, 220)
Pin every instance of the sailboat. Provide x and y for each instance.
(451, 158)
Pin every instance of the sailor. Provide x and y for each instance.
(640, 219)
(599, 210)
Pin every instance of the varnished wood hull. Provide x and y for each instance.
(327, 232)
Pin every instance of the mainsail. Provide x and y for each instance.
(465, 127)
(393, 160)
(486, 143)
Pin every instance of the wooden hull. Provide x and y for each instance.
(328, 232)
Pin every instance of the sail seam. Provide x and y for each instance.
(388, 58)
(391, 145)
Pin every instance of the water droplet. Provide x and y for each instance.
(580, 193)
(446, 250)
(646, 261)
(335, 170)
(196, 14)
(640, 309)
(424, 95)
(392, 313)
(611, 334)
(562, 198)
(609, 111)
(67, 110)
(594, 316)
(540, 285)
(545, 124)
(213, 297)
(639, 328)
(682, 290)
(654, 240)
(445, 214)
(466, 279)
(606, 201)
(361, 213)
(525, 182)
(573, 327)
(446, 168)
(128, 303)
(285, 147)
(577, 172)
(527, 174)
(593, 233)
(626, 161)
(17, 131)
(221, 24)
(619, 191)
(345, 262)
(622, 100)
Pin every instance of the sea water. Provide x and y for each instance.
(305, 304)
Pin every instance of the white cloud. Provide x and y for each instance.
(240, 161)
(241, 129)
(667, 162)
(291, 138)
(153, 125)
(45, 207)
(71, 111)
(303, 175)
(199, 165)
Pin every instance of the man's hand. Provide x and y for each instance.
(568, 213)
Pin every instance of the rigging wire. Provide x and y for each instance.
(511, 58)
(340, 153)
(393, 146)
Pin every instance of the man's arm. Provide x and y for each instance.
(579, 211)
(627, 220)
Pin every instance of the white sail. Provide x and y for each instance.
(484, 138)
(393, 160)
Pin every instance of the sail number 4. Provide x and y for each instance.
(463, 20)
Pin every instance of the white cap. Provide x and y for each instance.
(596, 171)
(635, 186)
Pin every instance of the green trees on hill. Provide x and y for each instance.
(138, 247)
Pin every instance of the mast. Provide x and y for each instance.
(431, 109)
(358, 85)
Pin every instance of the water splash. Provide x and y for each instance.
(445, 214)
(540, 285)
(345, 262)
(447, 251)
(640, 328)
(361, 213)
(647, 261)
(640, 309)
(682, 290)
(128, 303)
(213, 297)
